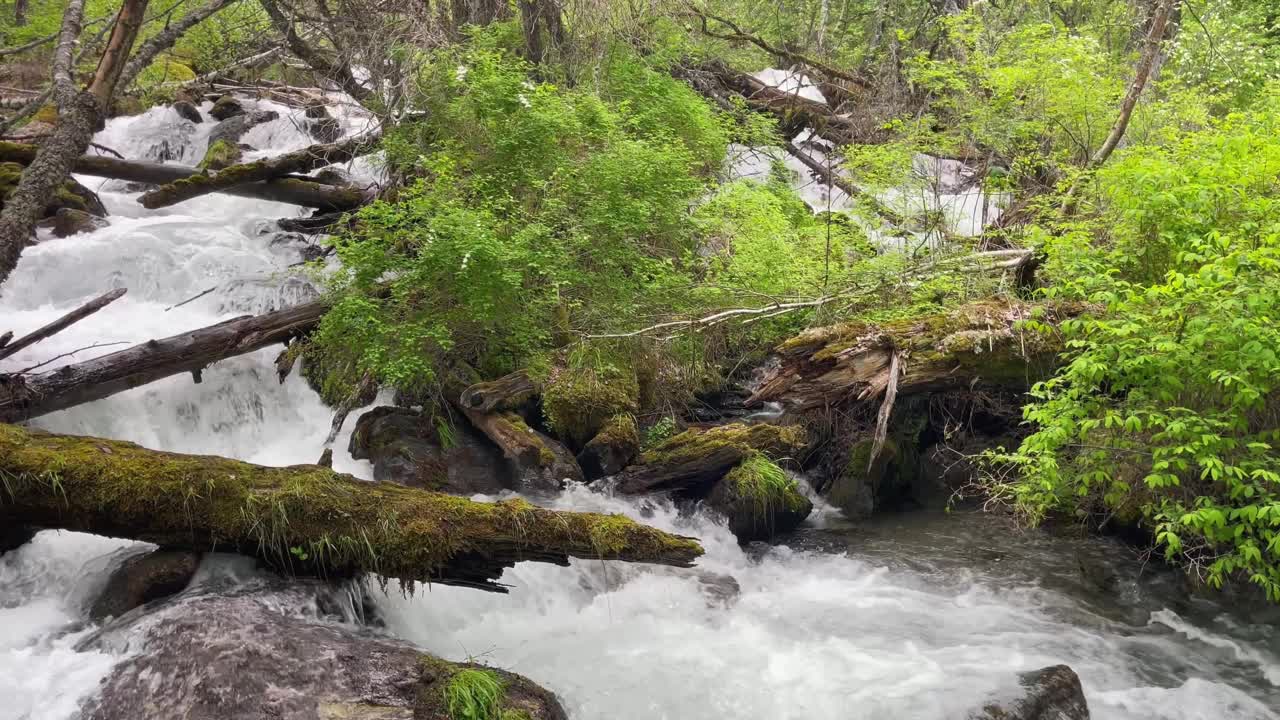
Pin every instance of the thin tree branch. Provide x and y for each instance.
(62, 323)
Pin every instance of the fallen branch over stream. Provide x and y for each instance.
(293, 191)
(303, 518)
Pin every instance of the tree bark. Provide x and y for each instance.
(23, 397)
(303, 518)
(509, 392)
(294, 191)
(20, 12)
(165, 39)
(111, 64)
(336, 70)
(977, 345)
(300, 161)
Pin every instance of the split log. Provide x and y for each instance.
(303, 518)
(692, 462)
(976, 345)
(23, 397)
(62, 323)
(539, 461)
(288, 190)
(305, 160)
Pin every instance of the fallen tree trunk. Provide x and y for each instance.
(980, 344)
(305, 160)
(62, 323)
(293, 191)
(693, 461)
(303, 518)
(23, 397)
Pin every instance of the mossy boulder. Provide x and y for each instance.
(857, 485)
(226, 107)
(221, 154)
(419, 450)
(234, 128)
(759, 499)
(690, 463)
(612, 449)
(579, 401)
(187, 111)
(243, 654)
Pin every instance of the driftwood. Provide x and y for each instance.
(294, 191)
(62, 323)
(693, 461)
(977, 345)
(300, 161)
(23, 397)
(509, 392)
(303, 518)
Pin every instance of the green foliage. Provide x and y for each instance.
(1166, 412)
(474, 694)
(767, 487)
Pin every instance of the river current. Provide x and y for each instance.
(914, 616)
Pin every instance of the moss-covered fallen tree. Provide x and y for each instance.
(693, 461)
(304, 519)
(1000, 344)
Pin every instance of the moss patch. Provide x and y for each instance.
(221, 154)
(775, 441)
(765, 486)
(578, 402)
(47, 114)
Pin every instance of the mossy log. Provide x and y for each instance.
(693, 461)
(293, 191)
(509, 392)
(980, 344)
(539, 462)
(27, 396)
(304, 518)
(300, 161)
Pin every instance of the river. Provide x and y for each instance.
(913, 616)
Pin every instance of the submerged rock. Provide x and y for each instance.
(321, 125)
(239, 656)
(140, 579)
(234, 128)
(1051, 693)
(70, 221)
(187, 111)
(407, 447)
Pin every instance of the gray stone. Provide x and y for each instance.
(140, 579)
(187, 111)
(1051, 693)
(406, 447)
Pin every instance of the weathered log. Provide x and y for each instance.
(303, 518)
(288, 190)
(693, 461)
(980, 344)
(540, 462)
(300, 161)
(23, 397)
(509, 392)
(61, 323)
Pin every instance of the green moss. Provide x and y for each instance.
(474, 694)
(775, 441)
(578, 402)
(331, 373)
(619, 431)
(341, 524)
(47, 114)
(220, 155)
(765, 486)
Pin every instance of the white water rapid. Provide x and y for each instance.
(907, 618)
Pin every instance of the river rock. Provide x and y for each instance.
(1051, 693)
(234, 128)
(758, 518)
(226, 107)
(187, 111)
(70, 221)
(237, 655)
(321, 125)
(407, 447)
(143, 578)
(612, 449)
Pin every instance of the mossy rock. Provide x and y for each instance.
(612, 449)
(578, 402)
(759, 499)
(331, 374)
(226, 107)
(221, 154)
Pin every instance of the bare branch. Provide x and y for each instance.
(62, 323)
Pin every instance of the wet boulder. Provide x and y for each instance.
(235, 127)
(239, 655)
(226, 107)
(221, 154)
(612, 449)
(1051, 693)
(187, 111)
(759, 499)
(71, 221)
(321, 125)
(410, 448)
(143, 578)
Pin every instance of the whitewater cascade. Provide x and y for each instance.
(912, 618)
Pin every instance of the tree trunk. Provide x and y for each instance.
(300, 161)
(303, 518)
(693, 461)
(294, 191)
(509, 392)
(20, 12)
(981, 344)
(114, 57)
(23, 397)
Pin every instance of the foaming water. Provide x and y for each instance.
(908, 621)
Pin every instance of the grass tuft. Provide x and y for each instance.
(474, 694)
